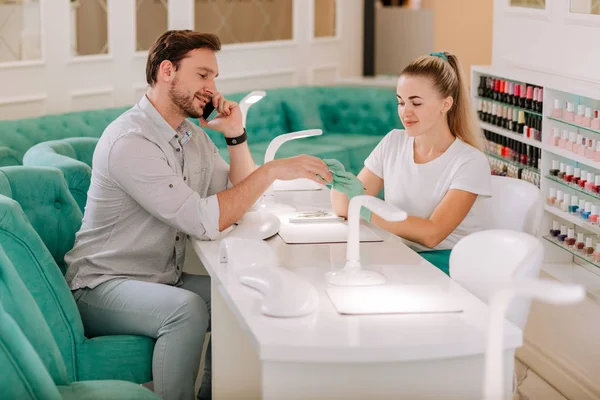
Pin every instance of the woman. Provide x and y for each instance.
(435, 168)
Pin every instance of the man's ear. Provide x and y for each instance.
(166, 71)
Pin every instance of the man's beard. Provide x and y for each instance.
(183, 102)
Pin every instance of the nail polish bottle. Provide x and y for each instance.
(571, 142)
(521, 128)
(563, 233)
(494, 112)
(569, 174)
(515, 122)
(569, 114)
(570, 240)
(562, 171)
(555, 137)
(581, 145)
(583, 179)
(589, 248)
(596, 186)
(564, 205)
(574, 205)
(595, 124)
(588, 211)
(593, 218)
(529, 98)
(589, 150)
(551, 197)
(534, 99)
(496, 89)
(559, 198)
(587, 118)
(554, 170)
(580, 114)
(555, 231)
(576, 177)
(511, 93)
(580, 243)
(596, 254)
(499, 112)
(517, 95)
(589, 184)
(540, 102)
(562, 143)
(581, 209)
(508, 118)
(597, 152)
(557, 111)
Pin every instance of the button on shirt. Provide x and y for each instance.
(151, 188)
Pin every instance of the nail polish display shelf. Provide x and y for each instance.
(573, 187)
(509, 105)
(571, 156)
(509, 134)
(573, 251)
(585, 128)
(516, 164)
(572, 219)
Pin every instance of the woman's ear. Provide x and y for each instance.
(447, 104)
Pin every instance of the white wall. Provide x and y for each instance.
(553, 40)
(60, 82)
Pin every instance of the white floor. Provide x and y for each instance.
(532, 387)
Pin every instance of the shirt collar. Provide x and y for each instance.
(163, 128)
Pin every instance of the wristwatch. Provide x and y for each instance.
(237, 140)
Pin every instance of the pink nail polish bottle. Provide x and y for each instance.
(555, 139)
(596, 254)
(593, 218)
(589, 184)
(557, 111)
(582, 145)
(551, 197)
(580, 114)
(587, 118)
(595, 124)
(571, 143)
(589, 150)
(562, 142)
(540, 100)
(597, 152)
(569, 114)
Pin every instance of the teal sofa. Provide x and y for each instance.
(30, 361)
(38, 222)
(353, 120)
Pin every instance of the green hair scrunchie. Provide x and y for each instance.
(439, 54)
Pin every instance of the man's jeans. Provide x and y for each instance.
(177, 317)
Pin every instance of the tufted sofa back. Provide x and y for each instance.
(73, 156)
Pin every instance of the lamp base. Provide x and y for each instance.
(354, 277)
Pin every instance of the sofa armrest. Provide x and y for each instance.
(8, 157)
(121, 357)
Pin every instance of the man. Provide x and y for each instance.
(158, 179)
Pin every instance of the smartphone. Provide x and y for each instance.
(208, 110)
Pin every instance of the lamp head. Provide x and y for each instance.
(251, 98)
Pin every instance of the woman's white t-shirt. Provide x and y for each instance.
(419, 188)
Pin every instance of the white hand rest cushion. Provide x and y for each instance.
(240, 253)
(259, 224)
(296, 185)
(286, 294)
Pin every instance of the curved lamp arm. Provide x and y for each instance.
(379, 207)
(543, 290)
(247, 101)
(281, 139)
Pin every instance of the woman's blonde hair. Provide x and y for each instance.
(445, 71)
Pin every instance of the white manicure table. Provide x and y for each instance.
(327, 355)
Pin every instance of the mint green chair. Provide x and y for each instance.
(73, 156)
(38, 222)
(30, 362)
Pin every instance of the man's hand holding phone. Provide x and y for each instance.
(228, 120)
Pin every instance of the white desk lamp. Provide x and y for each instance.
(296, 184)
(352, 274)
(544, 290)
(247, 102)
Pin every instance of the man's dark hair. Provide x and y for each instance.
(174, 46)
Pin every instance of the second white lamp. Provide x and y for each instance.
(352, 274)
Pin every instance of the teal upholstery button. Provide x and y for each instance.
(57, 205)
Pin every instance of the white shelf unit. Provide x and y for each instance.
(561, 261)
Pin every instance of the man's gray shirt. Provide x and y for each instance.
(151, 187)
